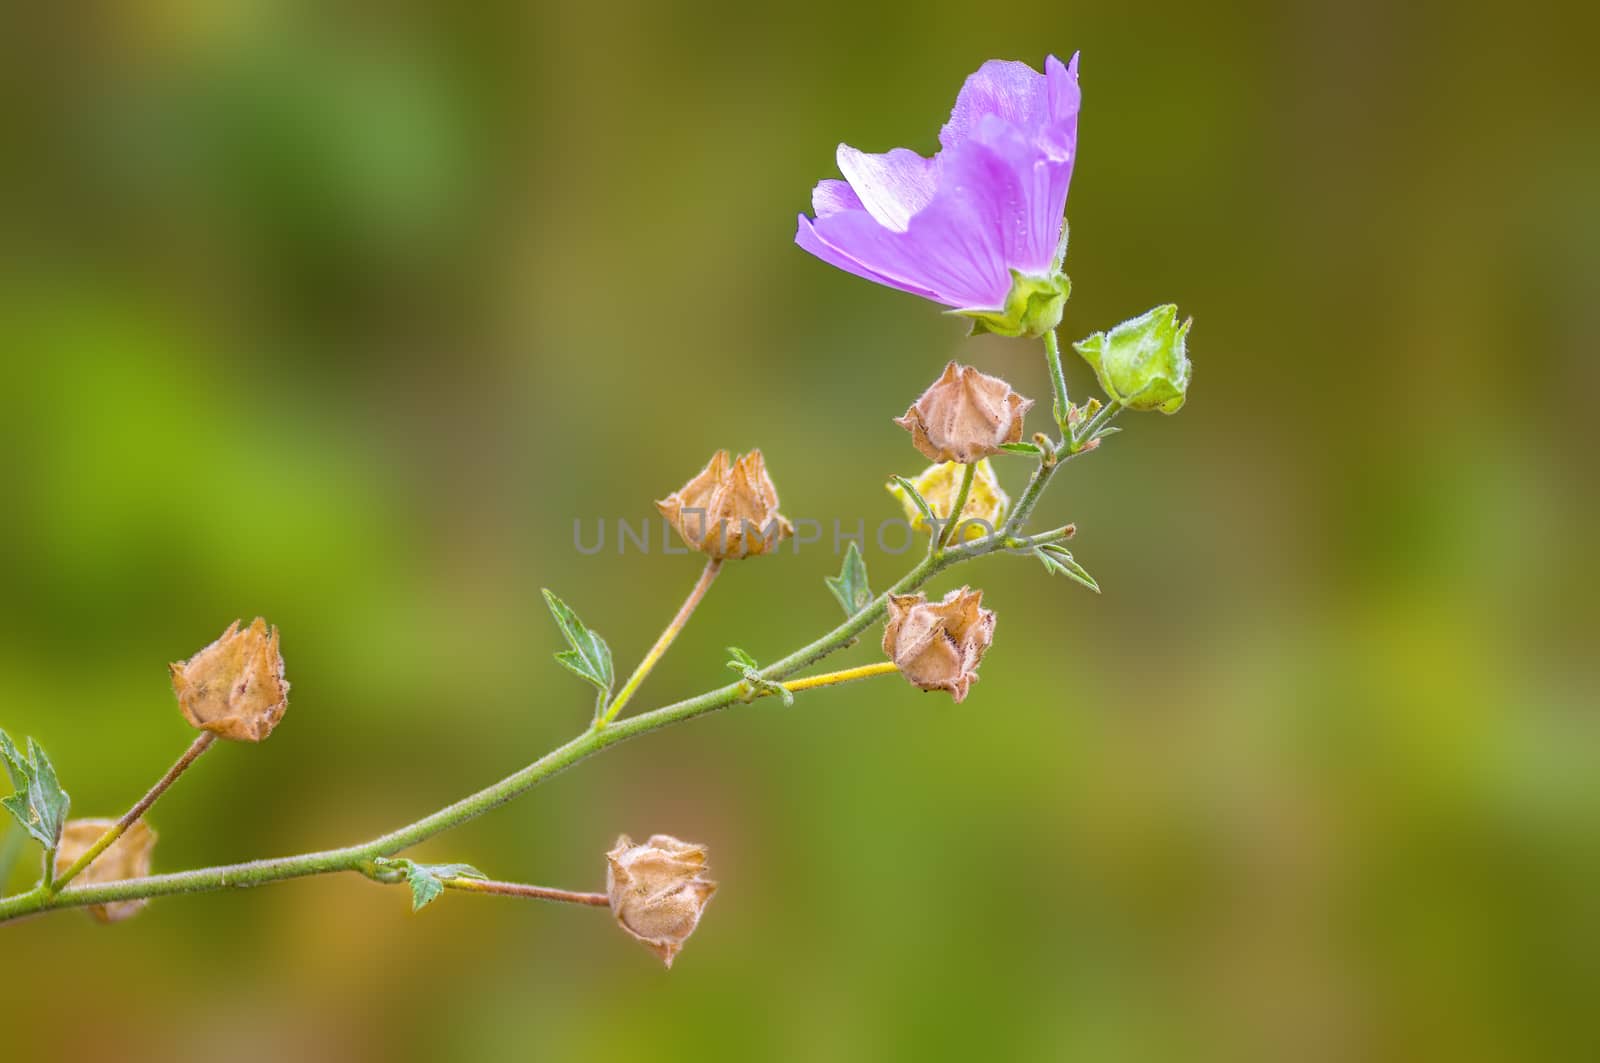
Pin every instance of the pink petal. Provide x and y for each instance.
(892, 186)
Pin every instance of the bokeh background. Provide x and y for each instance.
(342, 313)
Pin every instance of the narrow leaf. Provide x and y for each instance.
(916, 497)
(740, 661)
(850, 585)
(1059, 562)
(590, 657)
(1021, 448)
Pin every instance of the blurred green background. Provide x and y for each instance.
(342, 313)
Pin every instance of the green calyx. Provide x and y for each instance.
(1033, 307)
(1142, 364)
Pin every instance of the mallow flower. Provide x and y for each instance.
(980, 227)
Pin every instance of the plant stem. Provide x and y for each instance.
(659, 650)
(946, 533)
(518, 889)
(134, 814)
(1058, 381)
(1100, 420)
(865, 671)
(360, 857)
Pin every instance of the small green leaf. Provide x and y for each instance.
(427, 880)
(909, 489)
(47, 795)
(750, 672)
(740, 661)
(1021, 448)
(39, 804)
(1058, 561)
(589, 658)
(850, 585)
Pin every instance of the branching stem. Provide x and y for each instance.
(360, 858)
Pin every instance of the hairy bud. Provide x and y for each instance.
(729, 511)
(658, 891)
(1143, 363)
(965, 415)
(234, 687)
(127, 857)
(937, 645)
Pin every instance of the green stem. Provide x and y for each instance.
(1058, 381)
(1101, 419)
(946, 532)
(665, 640)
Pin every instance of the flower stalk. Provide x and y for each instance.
(136, 813)
(946, 534)
(847, 675)
(1058, 382)
(663, 642)
(518, 889)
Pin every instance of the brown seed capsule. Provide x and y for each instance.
(127, 857)
(234, 687)
(965, 415)
(658, 891)
(937, 645)
(728, 511)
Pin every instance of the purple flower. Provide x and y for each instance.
(979, 226)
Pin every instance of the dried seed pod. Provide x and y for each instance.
(938, 645)
(234, 687)
(965, 415)
(658, 891)
(127, 857)
(729, 510)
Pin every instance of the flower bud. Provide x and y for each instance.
(728, 511)
(965, 415)
(658, 891)
(234, 688)
(938, 486)
(127, 857)
(1142, 363)
(937, 645)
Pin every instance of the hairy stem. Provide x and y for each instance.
(1058, 381)
(659, 650)
(134, 814)
(518, 889)
(945, 533)
(1089, 432)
